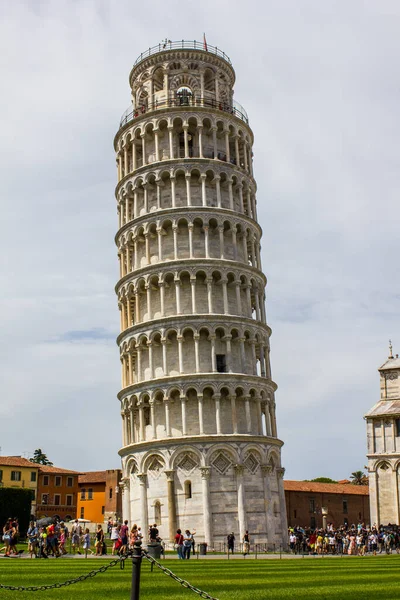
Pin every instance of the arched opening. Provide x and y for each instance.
(184, 95)
(157, 512)
(188, 489)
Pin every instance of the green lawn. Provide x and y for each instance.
(334, 578)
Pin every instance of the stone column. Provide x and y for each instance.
(144, 515)
(135, 254)
(144, 159)
(161, 285)
(190, 230)
(171, 504)
(214, 134)
(153, 419)
(224, 283)
(243, 354)
(188, 195)
(124, 436)
(201, 418)
(171, 141)
(217, 180)
(234, 243)
(207, 508)
(200, 130)
(156, 132)
(178, 295)
(160, 252)
(228, 154)
(196, 338)
(227, 339)
(173, 198)
(259, 416)
(185, 140)
(230, 192)
(193, 290)
(248, 413)
(180, 353)
(164, 356)
(217, 400)
(147, 287)
(167, 423)
(142, 433)
(206, 241)
(209, 294)
(150, 347)
(266, 471)
(203, 178)
(126, 501)
(234, 416)
(221, 241)
(238, 298)
(240, 188)
(130, 369)
(241, 500)
(282, 506)
(147, 242)
(132, 425)
(137, 307)
(134, 159)
(175, 234)
(183, 409)
(273, 420)
(213, 355)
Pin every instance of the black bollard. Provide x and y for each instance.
(136, 564)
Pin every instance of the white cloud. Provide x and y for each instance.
(320, 84)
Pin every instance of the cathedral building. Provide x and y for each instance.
(200, 448)
(383, 438)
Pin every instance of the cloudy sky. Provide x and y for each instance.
(320, 81)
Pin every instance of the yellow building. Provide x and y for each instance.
(18, 472)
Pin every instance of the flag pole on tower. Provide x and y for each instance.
(205, 43)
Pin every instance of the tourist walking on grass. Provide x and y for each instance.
(99, 540)
(114, 537)
(32, 534)
(133, 536)
(231, 542)
(123, 534)
(187, 544)
(246, 543)
(86, 542)
(179, 543)
(76, 537)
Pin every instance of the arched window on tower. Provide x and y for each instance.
(188, 489)
(184, 96)
(157, 512)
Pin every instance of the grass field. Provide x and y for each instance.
(366, 578)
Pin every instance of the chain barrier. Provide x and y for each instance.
(53, 586)
(181, 581)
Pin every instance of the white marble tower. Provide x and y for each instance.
(383, 438)
(200, 447)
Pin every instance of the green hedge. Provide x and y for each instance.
(16, 502)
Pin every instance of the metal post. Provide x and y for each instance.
(280, 551)
(136, 564)
(256, 550)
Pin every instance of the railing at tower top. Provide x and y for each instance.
(182, 45)
(234, 108)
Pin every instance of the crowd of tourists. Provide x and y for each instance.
(354, 540)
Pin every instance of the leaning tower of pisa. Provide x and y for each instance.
(199, 438)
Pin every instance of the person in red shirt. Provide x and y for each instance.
(179, 543)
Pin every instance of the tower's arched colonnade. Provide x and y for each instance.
(200, 447)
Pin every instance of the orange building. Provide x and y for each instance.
(99, 495)
(57, 493)
(313, 504)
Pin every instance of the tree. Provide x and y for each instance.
(359, 478)
(324, 480)
(40, 458)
